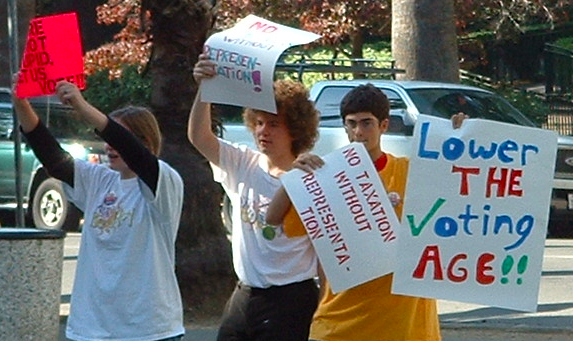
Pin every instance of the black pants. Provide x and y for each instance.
(273, 314)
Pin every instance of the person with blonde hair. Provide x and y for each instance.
(276, 295)
(125, 286)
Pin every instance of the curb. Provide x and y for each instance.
(507, 328)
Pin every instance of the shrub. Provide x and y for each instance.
(107, 94)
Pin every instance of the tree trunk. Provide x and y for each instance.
(424, 40)
(357, 43)
(204, 267)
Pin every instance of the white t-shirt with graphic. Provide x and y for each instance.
(125, 286)
(262, 254)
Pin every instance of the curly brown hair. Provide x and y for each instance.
(301, 117)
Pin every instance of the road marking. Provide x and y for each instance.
(557, 256)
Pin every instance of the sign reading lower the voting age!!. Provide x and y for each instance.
(246, 56)
(348, 216)
(53, 53)
(475, 213)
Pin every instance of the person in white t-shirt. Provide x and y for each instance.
(276, 295)
(125, 286)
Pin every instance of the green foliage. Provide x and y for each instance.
(110, 94)
(566, 43)
(530, 104)
(379, 53)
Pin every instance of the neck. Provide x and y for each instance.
(127, 174)
(278, 166)
(375, 154)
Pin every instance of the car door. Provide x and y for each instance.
(7, 163)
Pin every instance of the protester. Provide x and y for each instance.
(368, 311)
(125, 286)
(276, 295)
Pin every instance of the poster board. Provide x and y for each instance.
(348, 216)
(476, 212)
(246, 55)
(53, 53)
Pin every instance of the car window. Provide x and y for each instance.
(445, 102)
(5, 97)
(6, 122)
(328, 104)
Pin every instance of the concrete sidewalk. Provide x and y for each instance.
(459, 321)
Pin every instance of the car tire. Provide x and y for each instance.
(51, 209)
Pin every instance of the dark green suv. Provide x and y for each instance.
(44, 199)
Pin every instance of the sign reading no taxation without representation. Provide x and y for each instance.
(348, 216)
(475, 213)
(53, 53)
(246, 55)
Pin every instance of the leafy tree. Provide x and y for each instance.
(339, 22)
(506, 18)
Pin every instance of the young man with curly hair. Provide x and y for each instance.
(276, 295)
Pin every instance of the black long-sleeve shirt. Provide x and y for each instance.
(60, 164)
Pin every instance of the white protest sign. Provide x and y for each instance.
(475, 213)
(246, 55)
(347, 215)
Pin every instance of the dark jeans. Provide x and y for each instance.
(175, 338)
(278, 313)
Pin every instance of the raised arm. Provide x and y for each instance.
(70, 94)
(137, 157)
(199, 127)
(26, 115)
(57, 162)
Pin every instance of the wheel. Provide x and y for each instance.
(51, 209)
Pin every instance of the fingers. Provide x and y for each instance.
(308, 162)
(204, 68)
(458, 119)
(68, 92)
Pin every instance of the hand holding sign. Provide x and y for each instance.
(53, 53)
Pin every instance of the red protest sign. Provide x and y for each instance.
(53, 53)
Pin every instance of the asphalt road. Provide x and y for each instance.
(460, 321)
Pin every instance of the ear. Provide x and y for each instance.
(384, 125)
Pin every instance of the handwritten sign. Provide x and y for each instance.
(476, 212)
(246, 56)
(347, 215)
(53, 53)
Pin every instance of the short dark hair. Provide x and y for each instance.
(365, 98)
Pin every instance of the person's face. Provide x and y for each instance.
(365, 128)
(272, 135)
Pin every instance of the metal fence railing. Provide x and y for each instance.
(560, 118)
(558, 70)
